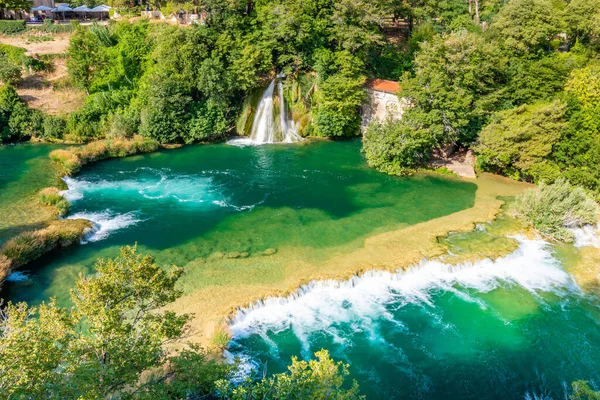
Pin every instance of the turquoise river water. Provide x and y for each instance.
(517, 328)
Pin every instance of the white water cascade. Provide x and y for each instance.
(264, 127)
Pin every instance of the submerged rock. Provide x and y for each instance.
(237, 254)
(269, 252)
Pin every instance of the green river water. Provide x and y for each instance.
(517, 328)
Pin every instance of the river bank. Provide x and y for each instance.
(32, 227)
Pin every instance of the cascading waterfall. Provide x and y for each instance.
(264, 127)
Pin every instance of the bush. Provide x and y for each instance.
(50, 196)
(67, 159)
(28, 246)
(395, 147)
(122, 124)
(73, 159)
(553, 209)
(12, 27)
(9, 72)
(54, 127)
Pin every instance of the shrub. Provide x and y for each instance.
(12, 27)
(28, 246)
(553, 209)
(67, 159)
(395, 147)
(54, 127)
(9, 72)
(122, 124)
(50, 196)
(73, 159)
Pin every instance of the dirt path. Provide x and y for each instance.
(58, 45)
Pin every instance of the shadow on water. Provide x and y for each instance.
(183, 204)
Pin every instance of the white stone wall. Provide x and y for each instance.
(380, 105)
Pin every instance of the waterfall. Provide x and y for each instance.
(264, 127)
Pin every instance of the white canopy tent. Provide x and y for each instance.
(42, 8)
(82, 9)
(62, 9)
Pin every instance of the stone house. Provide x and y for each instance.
(382, 101)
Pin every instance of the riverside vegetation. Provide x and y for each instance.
(516, 82)
(110, 344)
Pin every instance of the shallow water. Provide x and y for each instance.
(188, 204)
(517, 328)
(24, 169)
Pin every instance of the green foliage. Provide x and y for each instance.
(84, 57)
(50, 356)
(519, 142)
(339, 93)
(552, 209)
(209, 121)
(10, 73)
(321, 378)
(583, 391)
(51, 197)
(525, 26)
(16, 120)
(457, 84)
(54, 127)
(583, 20)
(8, 27)
(109, 344)
(396, 147)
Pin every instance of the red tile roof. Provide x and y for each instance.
(384, 86)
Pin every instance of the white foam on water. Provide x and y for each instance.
(587, 236)
(360, 301)
(105, 222)
(155, 185)
(243, 142)
(17, 276)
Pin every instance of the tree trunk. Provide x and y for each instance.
(477, 11)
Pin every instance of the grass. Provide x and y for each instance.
(29, 246)
(553, 209)
(73, 160)
(50, 196)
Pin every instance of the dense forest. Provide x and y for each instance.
(514, 81)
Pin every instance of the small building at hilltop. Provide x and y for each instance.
(382, 102)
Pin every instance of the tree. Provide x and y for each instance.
(15, 5)
(115, 330)
(357, 24)
(456, 86)
(525, 26)
(396, 147)
(101, 344)
(583, 20)
(83, 57)
(315, 379)
(519, 142)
